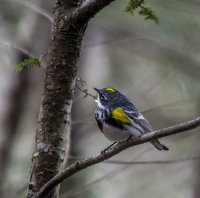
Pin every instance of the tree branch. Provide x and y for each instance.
(77, 190)
(89, 8)
(79, 165)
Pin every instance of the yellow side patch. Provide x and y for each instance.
(110, 89)
(95, 120)
(118, 114)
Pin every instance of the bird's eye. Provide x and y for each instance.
(102, 97)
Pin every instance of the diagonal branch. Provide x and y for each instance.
(89, 8)
(111, 174)
(79, 165)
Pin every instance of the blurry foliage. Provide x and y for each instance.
(30, 63)
(133, 5)
(81, 83)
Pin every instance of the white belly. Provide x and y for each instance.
(117, 135)
(114, 134)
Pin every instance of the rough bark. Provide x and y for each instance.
(58, 92)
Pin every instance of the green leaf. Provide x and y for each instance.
(134, 5)
(148, 14)
(30, 63)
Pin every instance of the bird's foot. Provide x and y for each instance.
(130, 139)
(106, 149)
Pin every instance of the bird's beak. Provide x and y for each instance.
(98, 90)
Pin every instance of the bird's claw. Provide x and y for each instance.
(103, 153)
(130, 139)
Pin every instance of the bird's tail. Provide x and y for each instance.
(159, 145)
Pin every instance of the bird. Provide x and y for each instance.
(119, 119)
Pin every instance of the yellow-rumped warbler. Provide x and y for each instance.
(119, 119)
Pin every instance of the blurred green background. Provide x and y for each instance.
(156, 66)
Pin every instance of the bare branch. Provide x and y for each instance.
(79, 165)
(89, 8)
(113, 173)
(84, 91)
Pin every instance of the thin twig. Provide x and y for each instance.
(85, 91)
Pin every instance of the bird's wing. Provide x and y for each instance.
(138, 118)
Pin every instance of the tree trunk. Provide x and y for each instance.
(58, 92)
